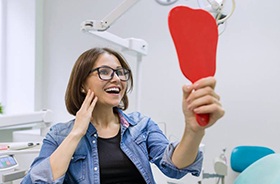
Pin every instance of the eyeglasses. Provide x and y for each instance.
(107, 73)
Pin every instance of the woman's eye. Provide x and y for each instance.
(120, 72)
(104, 71)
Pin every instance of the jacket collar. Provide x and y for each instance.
(125, 120)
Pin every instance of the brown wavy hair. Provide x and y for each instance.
(74, 96)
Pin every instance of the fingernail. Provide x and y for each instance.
(188, 88)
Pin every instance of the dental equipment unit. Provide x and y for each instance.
(14, 155)
(41, 119)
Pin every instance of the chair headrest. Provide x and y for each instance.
(243, 156)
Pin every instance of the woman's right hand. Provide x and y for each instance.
(84, 114)
(61, 157)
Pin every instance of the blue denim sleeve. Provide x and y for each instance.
(169, 169)
(161, 151)
(40, 170)
(41, 174)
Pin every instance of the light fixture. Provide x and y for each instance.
(166, 2)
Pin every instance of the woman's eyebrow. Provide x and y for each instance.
(109, 66)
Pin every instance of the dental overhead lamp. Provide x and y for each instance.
(217, 9)
(166, 2)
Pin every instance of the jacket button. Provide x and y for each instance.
(95, 168)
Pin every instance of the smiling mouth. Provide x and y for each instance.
(113, 90)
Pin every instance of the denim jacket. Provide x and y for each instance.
(141, 140)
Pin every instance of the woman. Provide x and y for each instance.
(105, 145)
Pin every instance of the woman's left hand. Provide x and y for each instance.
(200, 98)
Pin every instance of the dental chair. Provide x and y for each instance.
(256, 165)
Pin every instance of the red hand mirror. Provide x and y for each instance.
(195, 36)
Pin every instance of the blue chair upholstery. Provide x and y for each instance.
(264, 171)
(244, 156)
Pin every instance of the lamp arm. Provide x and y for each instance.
(108, 20)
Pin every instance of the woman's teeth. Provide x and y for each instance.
(113, 90)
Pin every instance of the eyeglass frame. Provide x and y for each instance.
(126, 71)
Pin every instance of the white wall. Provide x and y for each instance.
(2, 43)
(248, 67)
(17, 56)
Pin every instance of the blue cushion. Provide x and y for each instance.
(264, 171)
(243, 156)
